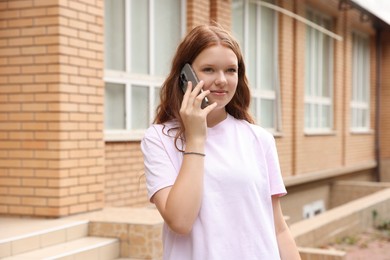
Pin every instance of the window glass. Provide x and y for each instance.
(114, 106)
(114, 32)
(251, 38)
(140, 40)
(360, 96)
(255, 26)
(238, 18)
(141, 37)
(267, 49)
(167, 17)
(267, 113)
(318, 74)
(139, 107)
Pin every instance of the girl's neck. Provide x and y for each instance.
(215, 117)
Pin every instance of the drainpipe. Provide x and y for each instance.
(378, 88)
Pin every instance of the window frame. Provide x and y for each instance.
(128, 79)
(356, 71)
(258, 93)
(316, 126)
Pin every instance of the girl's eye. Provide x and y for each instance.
(232, 70)
(208, 70)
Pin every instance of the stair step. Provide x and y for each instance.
(83, 248)
(34, 239)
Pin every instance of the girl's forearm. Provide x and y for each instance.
(185, 197)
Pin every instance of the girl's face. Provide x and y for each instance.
(217, 66)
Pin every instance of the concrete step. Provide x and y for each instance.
(21, 239)
(80, 249)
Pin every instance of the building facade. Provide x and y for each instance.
(79, 82)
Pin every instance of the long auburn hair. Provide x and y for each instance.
(171, 94)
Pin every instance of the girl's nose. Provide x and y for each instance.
(221, 79)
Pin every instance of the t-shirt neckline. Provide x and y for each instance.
(218, 128)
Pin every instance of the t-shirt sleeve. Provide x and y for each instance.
(274, 173)
(159, 168)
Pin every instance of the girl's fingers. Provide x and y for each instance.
(187, 94)
(199, 98)
(210, 108)
(197, 95)
(194, 95)
(196, 89)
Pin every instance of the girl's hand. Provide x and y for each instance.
(193, 116)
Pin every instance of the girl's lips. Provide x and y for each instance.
(218, 92)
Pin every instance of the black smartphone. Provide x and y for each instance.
(188, 74)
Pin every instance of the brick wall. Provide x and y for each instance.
(53, 160)
(51, 92)
(384, 108)
(198, 12)
(124, 178)
(220, 11)
(287, 37)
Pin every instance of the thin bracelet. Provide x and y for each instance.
(201, 154)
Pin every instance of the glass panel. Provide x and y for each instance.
(364, 117)
(325, 116)
(360, 82)
(308, 73)
(355, 83)
(139, 107)
(114, 35)
(315, 64)
(325, 67)
(267, 113)
(253, 106)
(315, 115)
(139, 37)
(307, 115)
(167, 33)
(252, 51)
(114, 106)
(353, 116)
(267, 49)
(360, 66)
(360, 117)
(366, 71)
(238, 22)
(156, 97)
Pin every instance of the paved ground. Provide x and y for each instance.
(372, 245)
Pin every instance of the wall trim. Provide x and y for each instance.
(327, 174)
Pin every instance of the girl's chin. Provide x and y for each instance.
(220, 105)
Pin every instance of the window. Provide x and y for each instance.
(360, 98)
(140, 39)
(318, 75)
(255, 27)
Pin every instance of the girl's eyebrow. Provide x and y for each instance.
(212, 65)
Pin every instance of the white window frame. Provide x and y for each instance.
(128, 78)
(257, 93)
(315, 123)
(360, 88)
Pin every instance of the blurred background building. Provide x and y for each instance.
(80, 80)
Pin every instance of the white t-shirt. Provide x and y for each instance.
(241, 174)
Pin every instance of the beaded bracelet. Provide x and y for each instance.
(201, 154)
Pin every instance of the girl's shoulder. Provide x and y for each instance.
(259, 132)
(167, 129)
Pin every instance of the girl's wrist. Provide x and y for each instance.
(194, 147)
(194, 153)
(196, 141)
